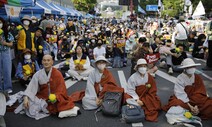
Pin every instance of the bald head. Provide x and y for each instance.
(47, 62)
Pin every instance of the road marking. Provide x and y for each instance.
(122, 79)
(166, 76)
(68, 82)
(200, 60)
(203, 74)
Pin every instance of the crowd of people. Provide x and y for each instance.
(88, 46)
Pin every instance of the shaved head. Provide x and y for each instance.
(47, 62)
(47, 57)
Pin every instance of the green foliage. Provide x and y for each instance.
(173, 7)
(84, 5)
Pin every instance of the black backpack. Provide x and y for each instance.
(132, 113)
(111, 104)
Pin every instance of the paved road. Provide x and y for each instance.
(165, 84)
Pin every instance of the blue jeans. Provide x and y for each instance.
(5, 70)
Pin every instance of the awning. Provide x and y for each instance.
(32, 10)
(20, 3)
(47, 8)
(62, 10)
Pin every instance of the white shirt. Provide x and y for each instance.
(179, 88)
(181, 31)
(99, 51)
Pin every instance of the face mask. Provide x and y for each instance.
(26, 22)
(27, 57)
(190, 71)
(101, 66)
(1, 25)
(99, 44)
(92, 41)
(142, 70)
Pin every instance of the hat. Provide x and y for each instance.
(26, 17)
(188, 62)
(181, 18)
(139, 62)
(101, 58)
(26, 51)
(33, 18)
(40, 28)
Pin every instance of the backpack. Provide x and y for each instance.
(111, 104)
(132, 113)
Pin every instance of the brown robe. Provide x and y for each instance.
(197, 96)
(57, 87)
(107, 82)
(150, 99)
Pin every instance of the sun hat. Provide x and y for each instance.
(26, 17)
(139, 62)
(188, 62)
(101, 58)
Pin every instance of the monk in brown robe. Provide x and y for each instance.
(190, 92)
(142, 91)
(99, 82)
(45, 82)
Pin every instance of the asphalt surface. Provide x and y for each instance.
(87, 119)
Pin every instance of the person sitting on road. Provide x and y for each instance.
(99, 50)
(142, 91)
(46, 93)
(79, 65)
(199, 49)
(26, 68)
(190, 92)
(99, 82)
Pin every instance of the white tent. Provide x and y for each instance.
(199, 11)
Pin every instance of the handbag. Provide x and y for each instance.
(132, 113)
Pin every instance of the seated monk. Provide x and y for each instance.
(79, 65)
(46, 82)
(142, 91)
(190, 92)
(99, 82)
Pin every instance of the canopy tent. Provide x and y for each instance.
(47, 8)
(199, 11)
(89, 16)
(141, 10)
(74, 13)
(33, 10)
(63, 11)
(20, 3)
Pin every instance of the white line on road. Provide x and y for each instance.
(166, 76)
(69, 82)
(122, 79)
(203, 74)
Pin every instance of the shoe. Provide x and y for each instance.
(85, 78)
(170, 71)
(162, 64)
(55, 59)
(9, 91)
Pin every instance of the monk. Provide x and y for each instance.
(190, 92)
(142, 91)
(99, 82)
(46, 82)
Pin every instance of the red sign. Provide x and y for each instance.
(152, 58)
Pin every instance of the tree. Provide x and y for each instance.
(173, 7)
(84, 5)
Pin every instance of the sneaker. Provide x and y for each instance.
(85, 78)
(55, 59)
(162, 64)
(170, 71)
(9, 91)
